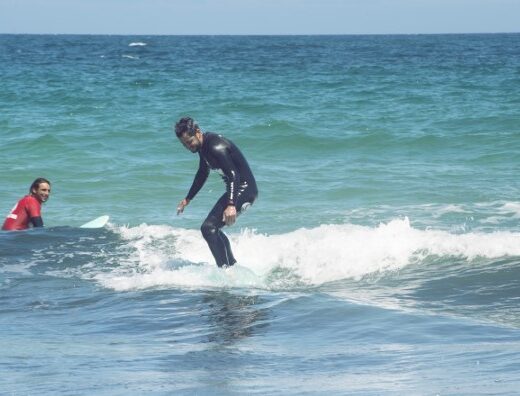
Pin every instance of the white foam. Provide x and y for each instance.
(161, 256)
(190, 276)
(512, 208)
(137, 44)
(483, 217)
(448, 209)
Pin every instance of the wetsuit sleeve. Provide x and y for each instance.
(37, 221)
(199, 180)
(222, 155)
(34, 213)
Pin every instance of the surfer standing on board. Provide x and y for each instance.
(27, 211)
(220, 154)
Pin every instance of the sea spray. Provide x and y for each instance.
(159, 256)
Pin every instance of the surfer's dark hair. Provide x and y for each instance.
(36, 184)
(186, 125)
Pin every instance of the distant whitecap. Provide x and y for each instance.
(137, 44)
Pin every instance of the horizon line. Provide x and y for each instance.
(254, 34)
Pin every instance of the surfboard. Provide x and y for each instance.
(242, 276)
(96, 223)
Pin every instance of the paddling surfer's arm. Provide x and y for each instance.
(37, 221)
(34, 212)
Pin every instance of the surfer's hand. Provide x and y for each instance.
(230, 215)
(182, 205)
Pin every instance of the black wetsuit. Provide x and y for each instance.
(221, 154)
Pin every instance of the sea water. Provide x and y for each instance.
(382, 256)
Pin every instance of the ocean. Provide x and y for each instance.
(382, 256)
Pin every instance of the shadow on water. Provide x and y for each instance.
(233, 317)
(213, 349)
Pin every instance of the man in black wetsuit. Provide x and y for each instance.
(218, 153)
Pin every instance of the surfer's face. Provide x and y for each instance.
(42, 192)
(192, 143)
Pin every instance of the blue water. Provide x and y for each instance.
(381, 258)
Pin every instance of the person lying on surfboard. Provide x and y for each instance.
(27, 211)
(220, 154)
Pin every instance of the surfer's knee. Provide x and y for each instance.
(209, 230)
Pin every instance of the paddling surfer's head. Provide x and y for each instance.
(189, 133)
(40, 189)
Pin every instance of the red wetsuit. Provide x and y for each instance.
(20, 217)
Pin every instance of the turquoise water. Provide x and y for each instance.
(382, 256)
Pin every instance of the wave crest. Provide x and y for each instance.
(159, 256)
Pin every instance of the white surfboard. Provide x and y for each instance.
(96, 223)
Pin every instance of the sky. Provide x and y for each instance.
(214, 17)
